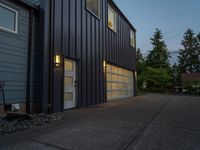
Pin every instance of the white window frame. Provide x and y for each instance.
(115, 18)
(132, 33)
(99, 9)
(16, 19)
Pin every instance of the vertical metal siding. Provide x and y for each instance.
(88, 40)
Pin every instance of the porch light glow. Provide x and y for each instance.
(57, 60)
(104, 65)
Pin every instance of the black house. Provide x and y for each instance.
(82, 54)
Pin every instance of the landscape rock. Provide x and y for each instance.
(16, 122)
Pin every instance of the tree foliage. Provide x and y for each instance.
(156, 78)
(158, 56)
(189, 60)
(140, 62)
(192, 87)
(176, 74)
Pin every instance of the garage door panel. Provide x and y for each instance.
(119, 82)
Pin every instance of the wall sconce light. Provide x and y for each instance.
(57, 60)
(104, 65)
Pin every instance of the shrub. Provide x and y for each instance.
(192, 87)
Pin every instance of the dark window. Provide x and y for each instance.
(8, 18)
(93, 6)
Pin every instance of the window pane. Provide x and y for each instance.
(114, 86)
(108, 67)
(109, 77)
(68, 96)
(130, 86)
(111, 19)
(93, 5)
(68, 81)
(115, 94)
(68, 66)
(109, 86)
(109, 95)
(132, 38)
(114, 77)
(114, 69)
(120, 70)
(121, 78)
(7, 18)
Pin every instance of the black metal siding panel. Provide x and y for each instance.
(57, 40)
(88, 56)
(72, 27)
(93, 58)
(79, 48)
(83, 76)
(65, 26)
(88, 40)
(97, 61)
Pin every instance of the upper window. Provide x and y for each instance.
(132, 39)
(8, 18)
(111, 19)
(93, 6)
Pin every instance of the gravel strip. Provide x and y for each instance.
(8, 126)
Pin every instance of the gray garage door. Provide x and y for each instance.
(119, 82)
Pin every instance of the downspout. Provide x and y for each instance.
(28, 80)
(51, 64)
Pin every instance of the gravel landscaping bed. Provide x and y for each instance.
(16, 122)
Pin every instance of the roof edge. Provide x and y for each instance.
(119, 10)
(29, 4)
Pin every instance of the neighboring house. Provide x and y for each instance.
(20, 54)
(190, 76)
(87, 50)
(191, 82)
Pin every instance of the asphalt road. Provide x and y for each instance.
(150, 122)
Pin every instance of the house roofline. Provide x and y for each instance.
(29, 4)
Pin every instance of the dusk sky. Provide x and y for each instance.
(173, 17)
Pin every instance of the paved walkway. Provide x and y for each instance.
(151, 122)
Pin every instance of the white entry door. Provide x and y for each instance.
(70, 84)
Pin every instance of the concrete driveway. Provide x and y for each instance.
(151, 122)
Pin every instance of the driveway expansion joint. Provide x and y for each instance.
(147, 124)
(51, 145)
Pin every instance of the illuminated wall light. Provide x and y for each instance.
(57, 61)
(104, 65)
(136, 75)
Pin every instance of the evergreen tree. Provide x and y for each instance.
(158, 57)
(189, 56)
(176, 74)
(198, 49)
(140, 62)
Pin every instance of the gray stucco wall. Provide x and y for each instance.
(14, 55)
